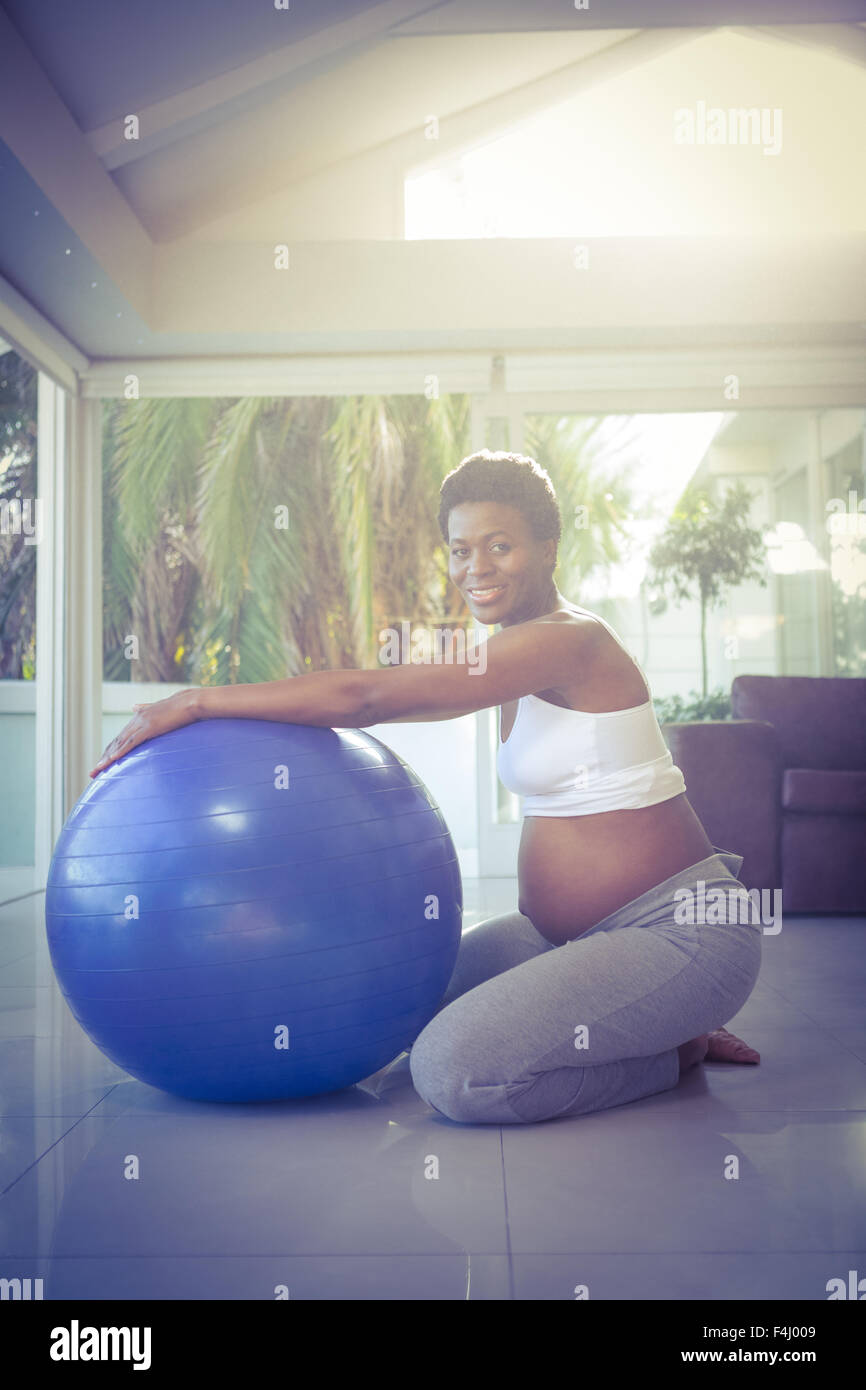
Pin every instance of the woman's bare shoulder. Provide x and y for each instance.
(580, 618)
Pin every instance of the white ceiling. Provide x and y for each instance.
(259, 127)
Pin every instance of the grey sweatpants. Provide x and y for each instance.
(528, 1031)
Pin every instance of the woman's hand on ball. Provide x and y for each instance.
(149, 721)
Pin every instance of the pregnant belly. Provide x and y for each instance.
(575, 870)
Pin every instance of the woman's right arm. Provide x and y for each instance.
(414, 719)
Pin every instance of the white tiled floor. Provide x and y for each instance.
(331, 1196)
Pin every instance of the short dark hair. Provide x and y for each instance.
(512, 479)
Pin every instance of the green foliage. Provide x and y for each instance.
(251, 539)
(707, 548)
(848, 612)
(18, 486)
(585, 459)
(152, 563)
(693, 708)
(215, 592)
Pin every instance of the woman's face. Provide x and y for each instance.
(503, 572)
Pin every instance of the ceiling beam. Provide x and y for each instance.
(846, 41)
(516, 16)
(607, 381)
(466, 288)
(408, 150)
(47, 141)
(250, 85)
(478, 124)
(36, 339)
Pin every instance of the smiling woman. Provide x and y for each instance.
(608, 840)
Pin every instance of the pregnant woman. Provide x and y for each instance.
(605, 984)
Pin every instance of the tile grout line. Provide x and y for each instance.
(508, 1250)
(34, 892)
(432, 1254)
(53, 1145)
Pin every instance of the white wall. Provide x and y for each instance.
(442, 753)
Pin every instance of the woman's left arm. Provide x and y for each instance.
(514, 662)
(149, 721)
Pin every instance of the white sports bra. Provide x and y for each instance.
(566, 762)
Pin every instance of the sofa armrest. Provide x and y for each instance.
(733, 780)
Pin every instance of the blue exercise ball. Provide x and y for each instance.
(245, 910)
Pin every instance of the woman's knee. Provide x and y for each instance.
(438, 1085)
(736, 967)
(442, 1066)
(453, 1094)
(490, 948)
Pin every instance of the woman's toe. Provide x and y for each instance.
(726, 1047)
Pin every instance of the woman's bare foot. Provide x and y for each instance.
(693, 1051)
(725, 1047)
(718, 1046)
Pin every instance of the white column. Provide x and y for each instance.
(68, 609)
(821, 584)
(83, 593)
(51, 474)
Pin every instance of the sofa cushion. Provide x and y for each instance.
(821, 864)
(819, 720)
(817, 790)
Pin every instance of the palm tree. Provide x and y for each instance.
(249, 539)
(391, 455)
(150, 552)
(588, 459)
(258, 538)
